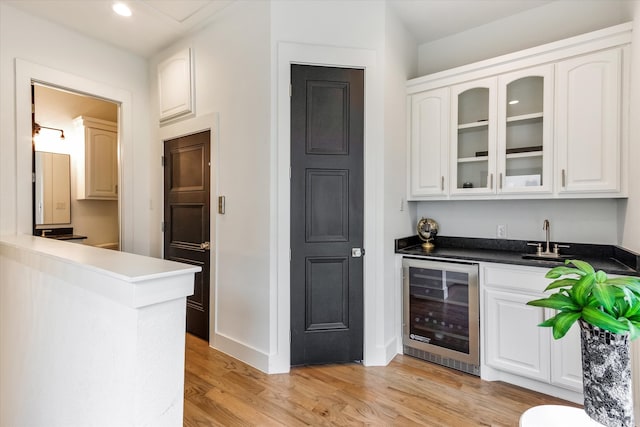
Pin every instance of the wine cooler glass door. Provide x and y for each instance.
(441, 308)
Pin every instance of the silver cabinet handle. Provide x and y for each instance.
(500, 181)
(442, 183)
(491, 181)
(564, 184)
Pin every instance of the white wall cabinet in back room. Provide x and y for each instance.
(428, 151)
(589, 137)
(97, 164)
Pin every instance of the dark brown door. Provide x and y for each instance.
(187, 219)
(327, 204)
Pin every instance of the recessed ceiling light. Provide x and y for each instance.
(515, 101)
(121, 9)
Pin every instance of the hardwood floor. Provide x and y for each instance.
(222, 391)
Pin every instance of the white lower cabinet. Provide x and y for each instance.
(514, 341)
(516, 349)
(566, 360)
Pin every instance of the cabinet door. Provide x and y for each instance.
(514, 341)
(524, 153)
(566, 359)
(429, 142)
(473, 142)
(101, 164)
(588, 117)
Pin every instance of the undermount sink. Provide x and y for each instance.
(554, 257)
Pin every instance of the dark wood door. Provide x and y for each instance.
(327, 204)
(187, 219)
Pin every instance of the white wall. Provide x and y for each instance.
(339, 33)
(579, 221)
(400, 64)
(232, 78)
(236, 65)
(630, 210)
(587, 221)
(60, 50)
(554, 21)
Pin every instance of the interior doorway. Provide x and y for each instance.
(85, 130)
(187, 218)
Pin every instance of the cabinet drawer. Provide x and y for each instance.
(519, 278)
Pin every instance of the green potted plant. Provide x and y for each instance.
(608, 312)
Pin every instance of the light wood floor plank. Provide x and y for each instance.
(222, 391)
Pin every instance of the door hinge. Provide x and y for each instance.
(289, 172)
(162, 162)
(289, 254)
(33, 177)
(163, 226)
(290, 90)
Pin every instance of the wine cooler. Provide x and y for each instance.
(441, 313)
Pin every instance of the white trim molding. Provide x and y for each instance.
(27, 72)
(366, 59)
(189, 127)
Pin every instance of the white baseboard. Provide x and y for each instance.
(240, 351)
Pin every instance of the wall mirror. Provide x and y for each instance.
(52, 189)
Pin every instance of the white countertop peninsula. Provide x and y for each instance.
(90, 336)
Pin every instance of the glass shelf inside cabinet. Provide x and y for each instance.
(473, 138)
(524, 133)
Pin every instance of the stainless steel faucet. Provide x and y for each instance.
(548, 253)
(545, 226)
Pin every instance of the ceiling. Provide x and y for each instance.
(154, 24)
(157, 23)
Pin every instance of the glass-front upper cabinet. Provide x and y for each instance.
(524, 132)
(502, 134)
(474, 137)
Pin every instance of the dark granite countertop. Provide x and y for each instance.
(67, 237)
(609, 258)
(60, 233)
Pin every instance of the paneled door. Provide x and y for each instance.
(327, 206)
(187, 218)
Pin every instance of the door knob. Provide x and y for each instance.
(206, 246)
(357, 252)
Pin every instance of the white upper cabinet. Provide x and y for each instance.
(473, 144)
(546, 122)
(428, 151)
(525, 150)
(176, 86)
(588, 131)
(502, 134)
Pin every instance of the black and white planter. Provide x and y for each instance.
(606, 369)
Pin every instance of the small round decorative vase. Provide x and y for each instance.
(606, 370)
